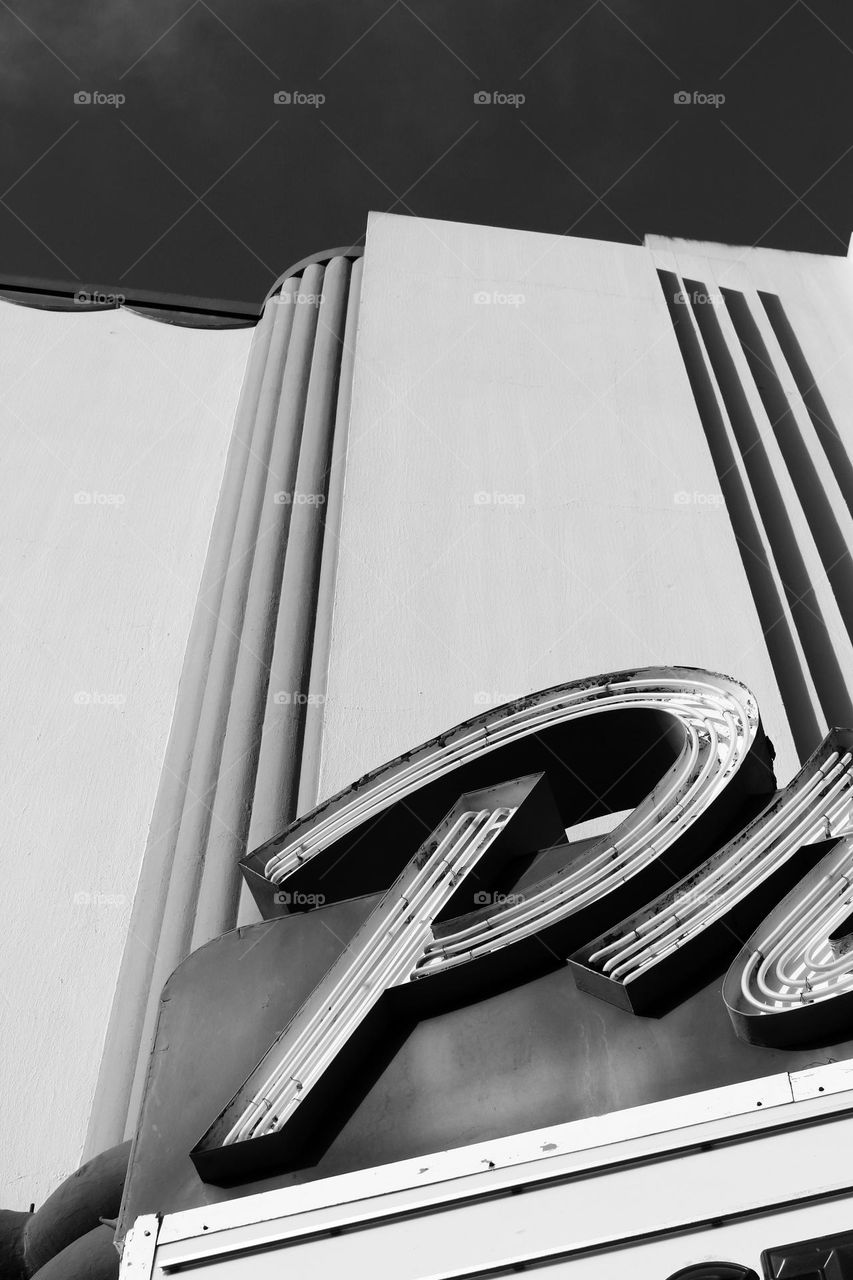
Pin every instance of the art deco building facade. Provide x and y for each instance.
(389, 857)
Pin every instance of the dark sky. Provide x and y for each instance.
(199, 183)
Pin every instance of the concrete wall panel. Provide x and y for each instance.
(529, 498)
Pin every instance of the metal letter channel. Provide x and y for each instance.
(638, 962)
(717, 763)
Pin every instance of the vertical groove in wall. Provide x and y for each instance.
(826, 431)
(786, 481)
(803, 588)
(309, 780)
(179, 913)
(783, 648)
(276, 785)
(121, 1045)
(255, 614)
(825, 517)
(233, 801)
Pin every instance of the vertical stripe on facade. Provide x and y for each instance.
(777, 464)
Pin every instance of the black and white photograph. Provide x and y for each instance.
(426, 639)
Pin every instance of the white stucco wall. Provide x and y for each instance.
(603, 543)
(113, 434)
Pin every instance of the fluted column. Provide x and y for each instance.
(309, 773)
(121, 1048)
(179, 913)
(276, 788)
(232, 808)
(235, 746)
